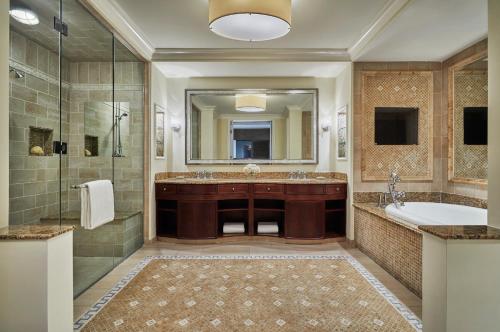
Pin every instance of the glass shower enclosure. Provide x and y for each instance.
(76, 115)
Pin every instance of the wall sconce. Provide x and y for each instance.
(176, 126)
(326, 125)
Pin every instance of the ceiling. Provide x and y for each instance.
(275, 104)
(251, 69)
(315, 23)
(366, 30)
(87, 39)
(430, 30)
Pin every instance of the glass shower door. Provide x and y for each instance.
(87, 122)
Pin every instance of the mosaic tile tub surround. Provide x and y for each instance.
(255, 293)
(396, 247)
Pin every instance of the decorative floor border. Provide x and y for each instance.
(402, 309)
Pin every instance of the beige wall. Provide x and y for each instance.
(494, 112)
(4, 115)
(343, 97)
(176, 110)
(158, 97)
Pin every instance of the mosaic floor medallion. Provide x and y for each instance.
(272, 293)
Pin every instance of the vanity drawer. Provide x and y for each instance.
(333, 189)
(233, 188)
(261, 188)
(198, 189)
(165, 189)
(305, 189)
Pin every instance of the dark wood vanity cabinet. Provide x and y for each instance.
(199, 211)
(305, 219)
(196, 219)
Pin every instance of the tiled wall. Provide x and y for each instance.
(439, 182)
(470, 89)
(91, 83)
(397, 89)
(390, 94)
(33, 101)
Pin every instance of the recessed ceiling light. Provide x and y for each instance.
(250, 20)
(24, 14)
(251, 103)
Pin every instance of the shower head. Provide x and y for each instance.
(121, 116)
(17, 73)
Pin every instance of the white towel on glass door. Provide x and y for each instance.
(98, 203)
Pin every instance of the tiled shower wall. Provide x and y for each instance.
(91, 83)
(34, 180)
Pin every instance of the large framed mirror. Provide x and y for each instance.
(252, 126)
(468, 120)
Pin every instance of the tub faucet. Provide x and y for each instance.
(397, 196)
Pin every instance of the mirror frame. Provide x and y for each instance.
(189, 93)
(451, 119)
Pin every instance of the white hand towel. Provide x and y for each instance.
(267, 228)
(233, 228)
(98, 203)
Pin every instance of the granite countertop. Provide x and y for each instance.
(33, 232)
(463, 232)
(247, 180)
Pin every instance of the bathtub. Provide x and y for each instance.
(425, 213)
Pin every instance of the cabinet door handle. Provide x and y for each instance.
(338, 189)
(268, 189)
(164, 188)
(233, 189)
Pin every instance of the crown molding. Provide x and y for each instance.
(250, 54)
(390, 11)
(123, 25)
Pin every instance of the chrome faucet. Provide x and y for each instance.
(204, 174)
(297, 175)
(397, 196)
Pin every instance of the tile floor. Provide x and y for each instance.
(89, 297)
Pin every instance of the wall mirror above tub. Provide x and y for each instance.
(468, 120)
(257, 126)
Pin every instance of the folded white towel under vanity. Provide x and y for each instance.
(233, 228)
(98, 203)
(267, 228)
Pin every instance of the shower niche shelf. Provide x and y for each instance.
(91, 146)
(40, 141)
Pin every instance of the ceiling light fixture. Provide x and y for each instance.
(251, 103)
(250, 20)
(24, 14)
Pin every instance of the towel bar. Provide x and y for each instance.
(79, 186)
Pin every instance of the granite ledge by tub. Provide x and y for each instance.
(380, 212)
(462, 232)
(248, 180)
(33, 232)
